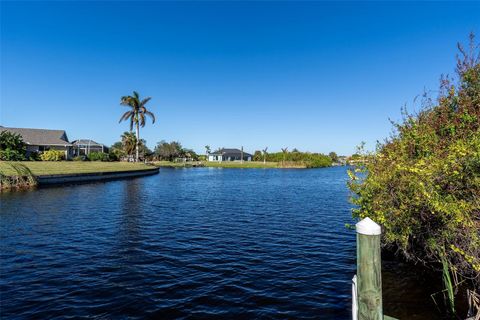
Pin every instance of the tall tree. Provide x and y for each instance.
(264, 151)
(285, 151)
(207, 150)
(129, 142)
(137, 115)
(333, 156)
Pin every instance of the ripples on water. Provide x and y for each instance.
(186, 243)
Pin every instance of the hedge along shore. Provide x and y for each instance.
(27, 174)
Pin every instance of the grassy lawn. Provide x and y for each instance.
(171, 164)
(233, 164)
(40, 168)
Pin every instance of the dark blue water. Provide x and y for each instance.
(186, 243)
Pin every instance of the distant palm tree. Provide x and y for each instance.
(264, 151)
(129, 142)
(285, 151)
(136, 115)
(207, 150)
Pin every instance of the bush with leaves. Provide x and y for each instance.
(310, 160)
(11, 155)
(98, 156)
(423, 183)
(52, 155)
(34, 156)
(12, 147)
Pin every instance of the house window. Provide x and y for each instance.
(43, 148)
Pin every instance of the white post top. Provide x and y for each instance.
(368, 227)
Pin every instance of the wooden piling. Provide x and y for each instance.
(369, 271)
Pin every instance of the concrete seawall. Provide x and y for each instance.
(96, 176)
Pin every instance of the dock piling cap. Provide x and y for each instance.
(368, 227)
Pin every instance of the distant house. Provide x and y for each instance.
(229, 155)
(83, 147)
(39, 140)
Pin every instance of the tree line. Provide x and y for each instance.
(309, 159)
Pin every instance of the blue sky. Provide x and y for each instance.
(318, 76)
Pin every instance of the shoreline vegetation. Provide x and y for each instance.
(25, 174)
(422, 184)
(234, 164)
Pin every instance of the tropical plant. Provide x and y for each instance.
(12, 147)
(52, 155)
(207, 150)
(11, 155)
(136, 115)
(23, 177)
(98, 156)
(129, 143)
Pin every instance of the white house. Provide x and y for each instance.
(229, 155)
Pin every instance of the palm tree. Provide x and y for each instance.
(285, 151)
(264, 151)
(137, 115)
(207, 150)
(129, 142)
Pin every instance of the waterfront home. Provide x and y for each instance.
(83, 147)
(229, 155)
(39, 140)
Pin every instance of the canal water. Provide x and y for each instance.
(200, 243)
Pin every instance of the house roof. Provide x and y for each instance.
(86, 142)
(42, 137)
(230, 152)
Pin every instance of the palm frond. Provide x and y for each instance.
(125, 100)
(125, 116)
(145, 101)
(151, 115)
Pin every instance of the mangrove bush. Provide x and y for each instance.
(423, 183)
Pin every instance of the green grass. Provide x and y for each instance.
(170, 164)
(39, 168)
(253, 164)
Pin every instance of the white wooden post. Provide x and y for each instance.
(369, 271)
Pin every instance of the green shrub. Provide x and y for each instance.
(311, 160)
(52, 155)
(318, 162)
(34, 156)
(11, 155)
(113, 155)
(12, 147)
(79, 158)
(98, 156)
(423, 184)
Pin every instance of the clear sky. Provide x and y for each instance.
(318, 76)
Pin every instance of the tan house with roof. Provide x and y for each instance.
(39, 140)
